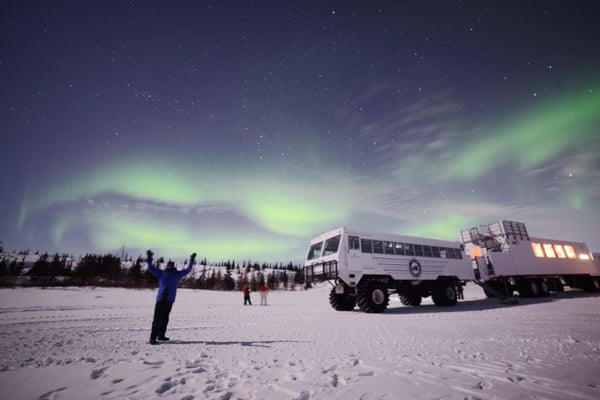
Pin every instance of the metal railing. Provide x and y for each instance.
(320, 272)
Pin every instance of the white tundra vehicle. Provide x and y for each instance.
(506, 259)
(366, 267)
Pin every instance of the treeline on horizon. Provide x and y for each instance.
(108, 270)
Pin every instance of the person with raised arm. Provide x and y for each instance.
(168, 279)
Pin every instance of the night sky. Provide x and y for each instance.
(240, 130)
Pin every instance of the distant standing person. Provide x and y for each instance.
(246, 291)
(264, 291)
(168, 279)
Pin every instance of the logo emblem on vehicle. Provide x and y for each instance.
(414, 267)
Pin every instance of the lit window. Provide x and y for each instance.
(560, 252)
(584, 256)
(537, 249)
(549, 250)
(570, 251)
(476, 252)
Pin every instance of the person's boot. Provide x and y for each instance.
(153, 341)
(163, 338)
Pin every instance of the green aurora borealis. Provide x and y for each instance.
(165, 204)
(242, 133)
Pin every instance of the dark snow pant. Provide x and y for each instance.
(161, 319)
(247, 299)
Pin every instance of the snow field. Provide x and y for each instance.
(84, 343)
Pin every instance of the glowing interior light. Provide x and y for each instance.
(560, 252)
(549, 250)
(537, 250)
(476, 252)
(584, 256)
(570, 251)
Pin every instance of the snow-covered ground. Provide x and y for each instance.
(92, 344)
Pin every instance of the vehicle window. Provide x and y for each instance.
(408, 249)
(331, 245)
(457, 254)
(388, 247)
(418, 250)
(377, 246)
(549, 250)
(560, 251)
(538, 250)
(399, 249)
(427, 251)
(435, 251)
(353, 243)
(314, 251)
(444, 253)
(366, 245)
(570, 251)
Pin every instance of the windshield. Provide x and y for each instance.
(314, 251)
(331, 245)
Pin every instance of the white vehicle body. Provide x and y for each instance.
(355, 261)
(413, 267)
(505, 256)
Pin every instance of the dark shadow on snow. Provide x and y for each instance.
(486, 304)
(251, 343)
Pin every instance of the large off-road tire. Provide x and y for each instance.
(489, 293)
(528, 288)
(412, 298)
(372, 297)
(556, 285)
(591, 284)
(544, 288)
(341, 302)
(444, 294)
(497, 289)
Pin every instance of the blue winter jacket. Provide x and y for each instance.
(168, 280)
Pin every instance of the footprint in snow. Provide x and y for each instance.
(97, 373)
(164, 387)
(226, 396)
(483, 385)
(51, 395)
(334, 380)
(304, 395)
(155, 363)
(516, 379)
